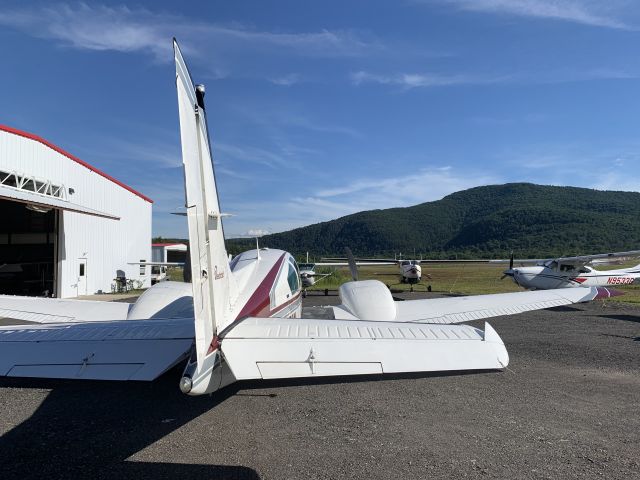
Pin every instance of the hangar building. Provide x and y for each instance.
(66, 228)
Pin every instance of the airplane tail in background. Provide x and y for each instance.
(214, 288)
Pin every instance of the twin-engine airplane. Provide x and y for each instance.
(242, 319)
(567, 272)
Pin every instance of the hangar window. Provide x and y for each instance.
(143, 268)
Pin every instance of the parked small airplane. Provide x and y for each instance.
(566, 272)
(241, 319)
(409, 271)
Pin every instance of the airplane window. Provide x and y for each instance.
(413, 262)
(566, 268)
(293, 278)
(552, 265)
(406, 263)
(585, 270)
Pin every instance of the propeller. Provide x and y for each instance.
(352, 264)
(509, 272)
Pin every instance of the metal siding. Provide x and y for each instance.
(108, 245)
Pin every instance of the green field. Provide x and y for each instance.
(458, 278)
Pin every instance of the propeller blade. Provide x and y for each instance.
(511, 261)
(352, 263)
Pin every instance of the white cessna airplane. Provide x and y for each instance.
(409, 271)
(241, 319)
(567, 272)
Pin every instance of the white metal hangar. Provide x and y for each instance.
(66, 228)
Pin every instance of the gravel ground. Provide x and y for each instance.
(568, 407)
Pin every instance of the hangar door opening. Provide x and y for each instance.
(28, 239)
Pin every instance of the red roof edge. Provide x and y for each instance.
(41, 140)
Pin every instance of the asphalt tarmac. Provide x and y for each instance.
(568, 407)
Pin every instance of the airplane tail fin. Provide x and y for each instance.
(214, 288)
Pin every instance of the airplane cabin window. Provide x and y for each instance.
(293, 278)
(406, 263)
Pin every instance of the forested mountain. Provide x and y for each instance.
(532, 220)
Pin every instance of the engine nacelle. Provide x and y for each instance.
(368, 300)
(164, 300)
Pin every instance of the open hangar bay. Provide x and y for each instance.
(566, 408)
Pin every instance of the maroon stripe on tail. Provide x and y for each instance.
(260, 298)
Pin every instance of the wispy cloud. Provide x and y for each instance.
(286, 80)
(123, 29)
(408, 81)
(416, 80)
(226, 153)
(595, 13)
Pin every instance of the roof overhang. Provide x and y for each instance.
(45, 202)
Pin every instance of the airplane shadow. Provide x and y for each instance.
(89, 429)
(628, 337)
(564, 308)
(623, 317)
(292, 382)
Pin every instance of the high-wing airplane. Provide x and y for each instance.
(242, 319)
(567, 272)
(409, 271)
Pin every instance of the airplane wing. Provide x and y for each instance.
(586, 259)
(120, 350)
(475, 307)
(346, 264)
(159, 264)
(259, 348)
(54, 310)
(463, 309)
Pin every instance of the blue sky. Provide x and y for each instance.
(321, 109)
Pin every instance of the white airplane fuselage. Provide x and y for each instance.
(410, 271)
(269, 284)
(554, 275)
(307, 275)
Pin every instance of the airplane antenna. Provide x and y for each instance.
(307, 257)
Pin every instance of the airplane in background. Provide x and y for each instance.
(242, 320)
(567, 272)
(409, 271)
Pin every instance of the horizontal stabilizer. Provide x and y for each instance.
(125, 350)
(288, 348)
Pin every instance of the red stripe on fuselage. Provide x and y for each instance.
(259, 302)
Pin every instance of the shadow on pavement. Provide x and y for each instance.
(88, 429)
(623, 317)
